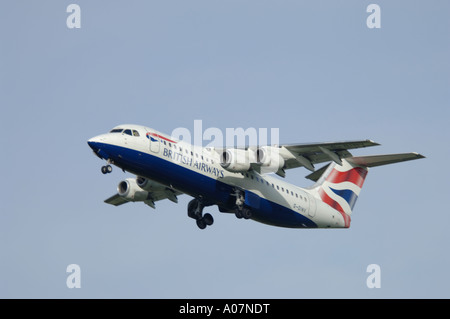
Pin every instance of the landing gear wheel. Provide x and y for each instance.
(246, 213)
(195, 211)
(208, 219)
(239, 214)
(201, 223)
(106, 169)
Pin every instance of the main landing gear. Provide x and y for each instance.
(241, 210)
(195, 211)
(245, 213)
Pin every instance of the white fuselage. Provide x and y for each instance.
(196, 171)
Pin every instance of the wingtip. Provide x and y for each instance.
(373, 143)
(418, 155)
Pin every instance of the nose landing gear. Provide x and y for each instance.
(195, 211)
(106, 169)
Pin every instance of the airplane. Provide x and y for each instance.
(240, 181)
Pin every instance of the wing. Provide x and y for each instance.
(150, 200)
(298, 155)
(309, 154)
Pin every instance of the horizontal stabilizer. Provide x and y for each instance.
(378, 160)
(314, 176)
(369, 161)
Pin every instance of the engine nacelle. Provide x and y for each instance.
(130, 190)
(236, 160)
(148, 185)
(269, 158)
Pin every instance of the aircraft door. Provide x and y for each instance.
(312, 205)
(154, 142)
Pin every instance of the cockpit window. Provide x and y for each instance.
(126, 131)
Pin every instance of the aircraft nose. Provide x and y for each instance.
(98, 144)
(92, 142)
(96, 141)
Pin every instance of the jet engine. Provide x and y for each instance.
(269, 158)
(148, 185)
(130, 190)
(236, 160)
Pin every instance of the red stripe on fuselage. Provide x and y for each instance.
(160, 136)
(356, 176)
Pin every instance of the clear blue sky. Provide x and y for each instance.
(312, 69)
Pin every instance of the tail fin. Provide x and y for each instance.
(340, 185)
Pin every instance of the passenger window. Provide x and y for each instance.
(127, 132)
(135, 133)
(278, 187)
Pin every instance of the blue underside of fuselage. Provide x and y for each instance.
(209, 189)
